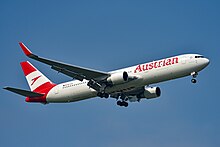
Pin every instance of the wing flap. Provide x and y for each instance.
(69, 73)
(24, 92)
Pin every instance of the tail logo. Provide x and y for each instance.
(35, 79)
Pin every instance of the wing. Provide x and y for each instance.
(73, 71)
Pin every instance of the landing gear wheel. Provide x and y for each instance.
(122, 103)
(106, 95)
(193, 81)
(119, 103)
(99, 94)
(125, 104)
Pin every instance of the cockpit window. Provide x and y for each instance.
(199, 56)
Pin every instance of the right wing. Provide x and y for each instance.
(73, 71)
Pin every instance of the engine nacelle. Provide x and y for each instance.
(150, 92)
(118, 78)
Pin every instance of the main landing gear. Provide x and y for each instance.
(101, 95)
(194, 75)
(122, 103)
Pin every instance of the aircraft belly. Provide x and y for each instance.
(70, 94)
(125, 86)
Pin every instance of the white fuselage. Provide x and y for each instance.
(147, 73)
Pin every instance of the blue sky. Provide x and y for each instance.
(107, 35)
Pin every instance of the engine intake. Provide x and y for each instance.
(150, 92)
(118, 78)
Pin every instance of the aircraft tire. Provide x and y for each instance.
(193, 81)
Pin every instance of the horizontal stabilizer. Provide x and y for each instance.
(24, 92)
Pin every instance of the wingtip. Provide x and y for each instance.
(6, 88)
(25, 49)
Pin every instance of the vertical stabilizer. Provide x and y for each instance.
(36, 80)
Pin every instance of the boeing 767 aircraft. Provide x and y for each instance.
(127, 84)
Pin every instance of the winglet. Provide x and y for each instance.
(25, 49)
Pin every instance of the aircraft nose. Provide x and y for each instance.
(206, 62)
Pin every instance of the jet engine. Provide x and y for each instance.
(118, 78)
(150, 92)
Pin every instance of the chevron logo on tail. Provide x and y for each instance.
(35, 79)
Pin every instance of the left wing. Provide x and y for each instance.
(73, 71)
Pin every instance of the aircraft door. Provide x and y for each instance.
(192, 59)
(183, 60)
(56, 90)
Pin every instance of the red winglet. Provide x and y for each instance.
(25, 49)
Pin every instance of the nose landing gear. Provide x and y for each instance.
(193, 81)
(194, 75)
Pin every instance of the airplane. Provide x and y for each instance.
(130, 84)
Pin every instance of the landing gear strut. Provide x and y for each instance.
(194, 75)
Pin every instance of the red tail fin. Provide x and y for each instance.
(36, 80)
